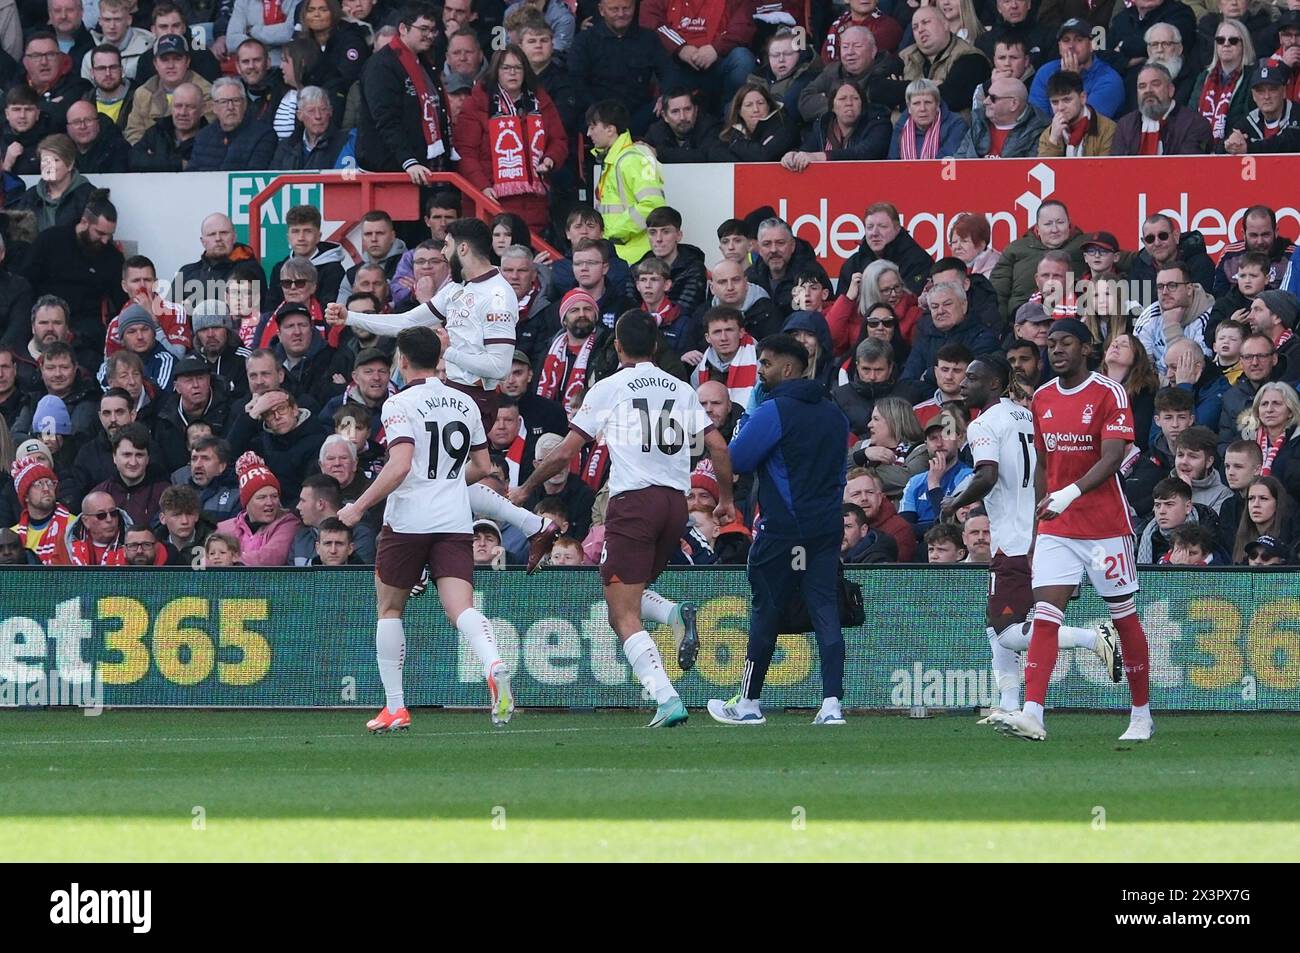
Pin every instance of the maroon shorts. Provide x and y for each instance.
(642, 530)
(1011, 589)
(400, 558)
(486, 400)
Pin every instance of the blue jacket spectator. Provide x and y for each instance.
(929, 339)
(920, 504)
(236, 142)
(1104, 87)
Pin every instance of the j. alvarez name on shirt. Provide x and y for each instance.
(429, 404)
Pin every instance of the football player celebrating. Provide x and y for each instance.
(650, 422)
(475, 315)
(1001, 439)
(1083, 426)
(436, 443)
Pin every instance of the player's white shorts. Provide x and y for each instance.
(1109, 563)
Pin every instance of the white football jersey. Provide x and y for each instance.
(648, 419)
(444, 425)
(477, 315)
(1004, 434)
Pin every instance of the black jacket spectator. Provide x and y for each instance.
(294, 154)
(289, 455)
(310, 377)
(1191, 250)
(1039, 40)
(772, 138)
(264, 99)
(928, 340)
(568, 98)
(698, 145)
(874, 547)
(207, 273)
(171, 422)
(608, 66)
(761, 319)
(109, 153)
(875, 85)
(92, 466)
(341, 63)
(1152, 467)
(869, 139)
(90, 280)
(16, 300)
(858, 398)
(29, 163)
(56, 100)
(803, 259)
(248, 147)
(689, 275)
(82, 43)
(1286, 139)
(160, 151)
(390, 136)
(577, 498)
(913, 261)
(1127, 36)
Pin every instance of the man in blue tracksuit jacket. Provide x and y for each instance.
(796, 442)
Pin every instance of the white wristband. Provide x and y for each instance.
(1058, 501)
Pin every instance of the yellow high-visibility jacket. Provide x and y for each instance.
(631, 186)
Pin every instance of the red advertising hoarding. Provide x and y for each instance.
(825, 203)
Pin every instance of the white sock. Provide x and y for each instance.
(493, 505)
(390, 650)
(1035, 709)
(1070, 637)
(482, 641)
(1015, 636)
(648, 666)
(1142, 711)
(747, 705)
(1006, 667)
(656, 608)
(831, 704)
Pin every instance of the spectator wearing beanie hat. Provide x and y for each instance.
(52, 423)
(138, 333)
(567, 361)
(265, 529)
(1274, 313)
(43, 523)
(215, 341)
(140, 282)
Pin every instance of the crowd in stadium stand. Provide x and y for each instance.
(226, 420)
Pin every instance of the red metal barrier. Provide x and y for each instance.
(352, 194)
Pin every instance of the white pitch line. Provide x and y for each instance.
(486, 733)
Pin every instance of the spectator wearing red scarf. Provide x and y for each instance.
(403, 117)
(510, 137)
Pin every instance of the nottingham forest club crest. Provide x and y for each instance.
(1087, 414)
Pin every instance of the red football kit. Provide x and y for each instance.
(1070, 424)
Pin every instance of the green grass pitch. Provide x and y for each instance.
(312, 785)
